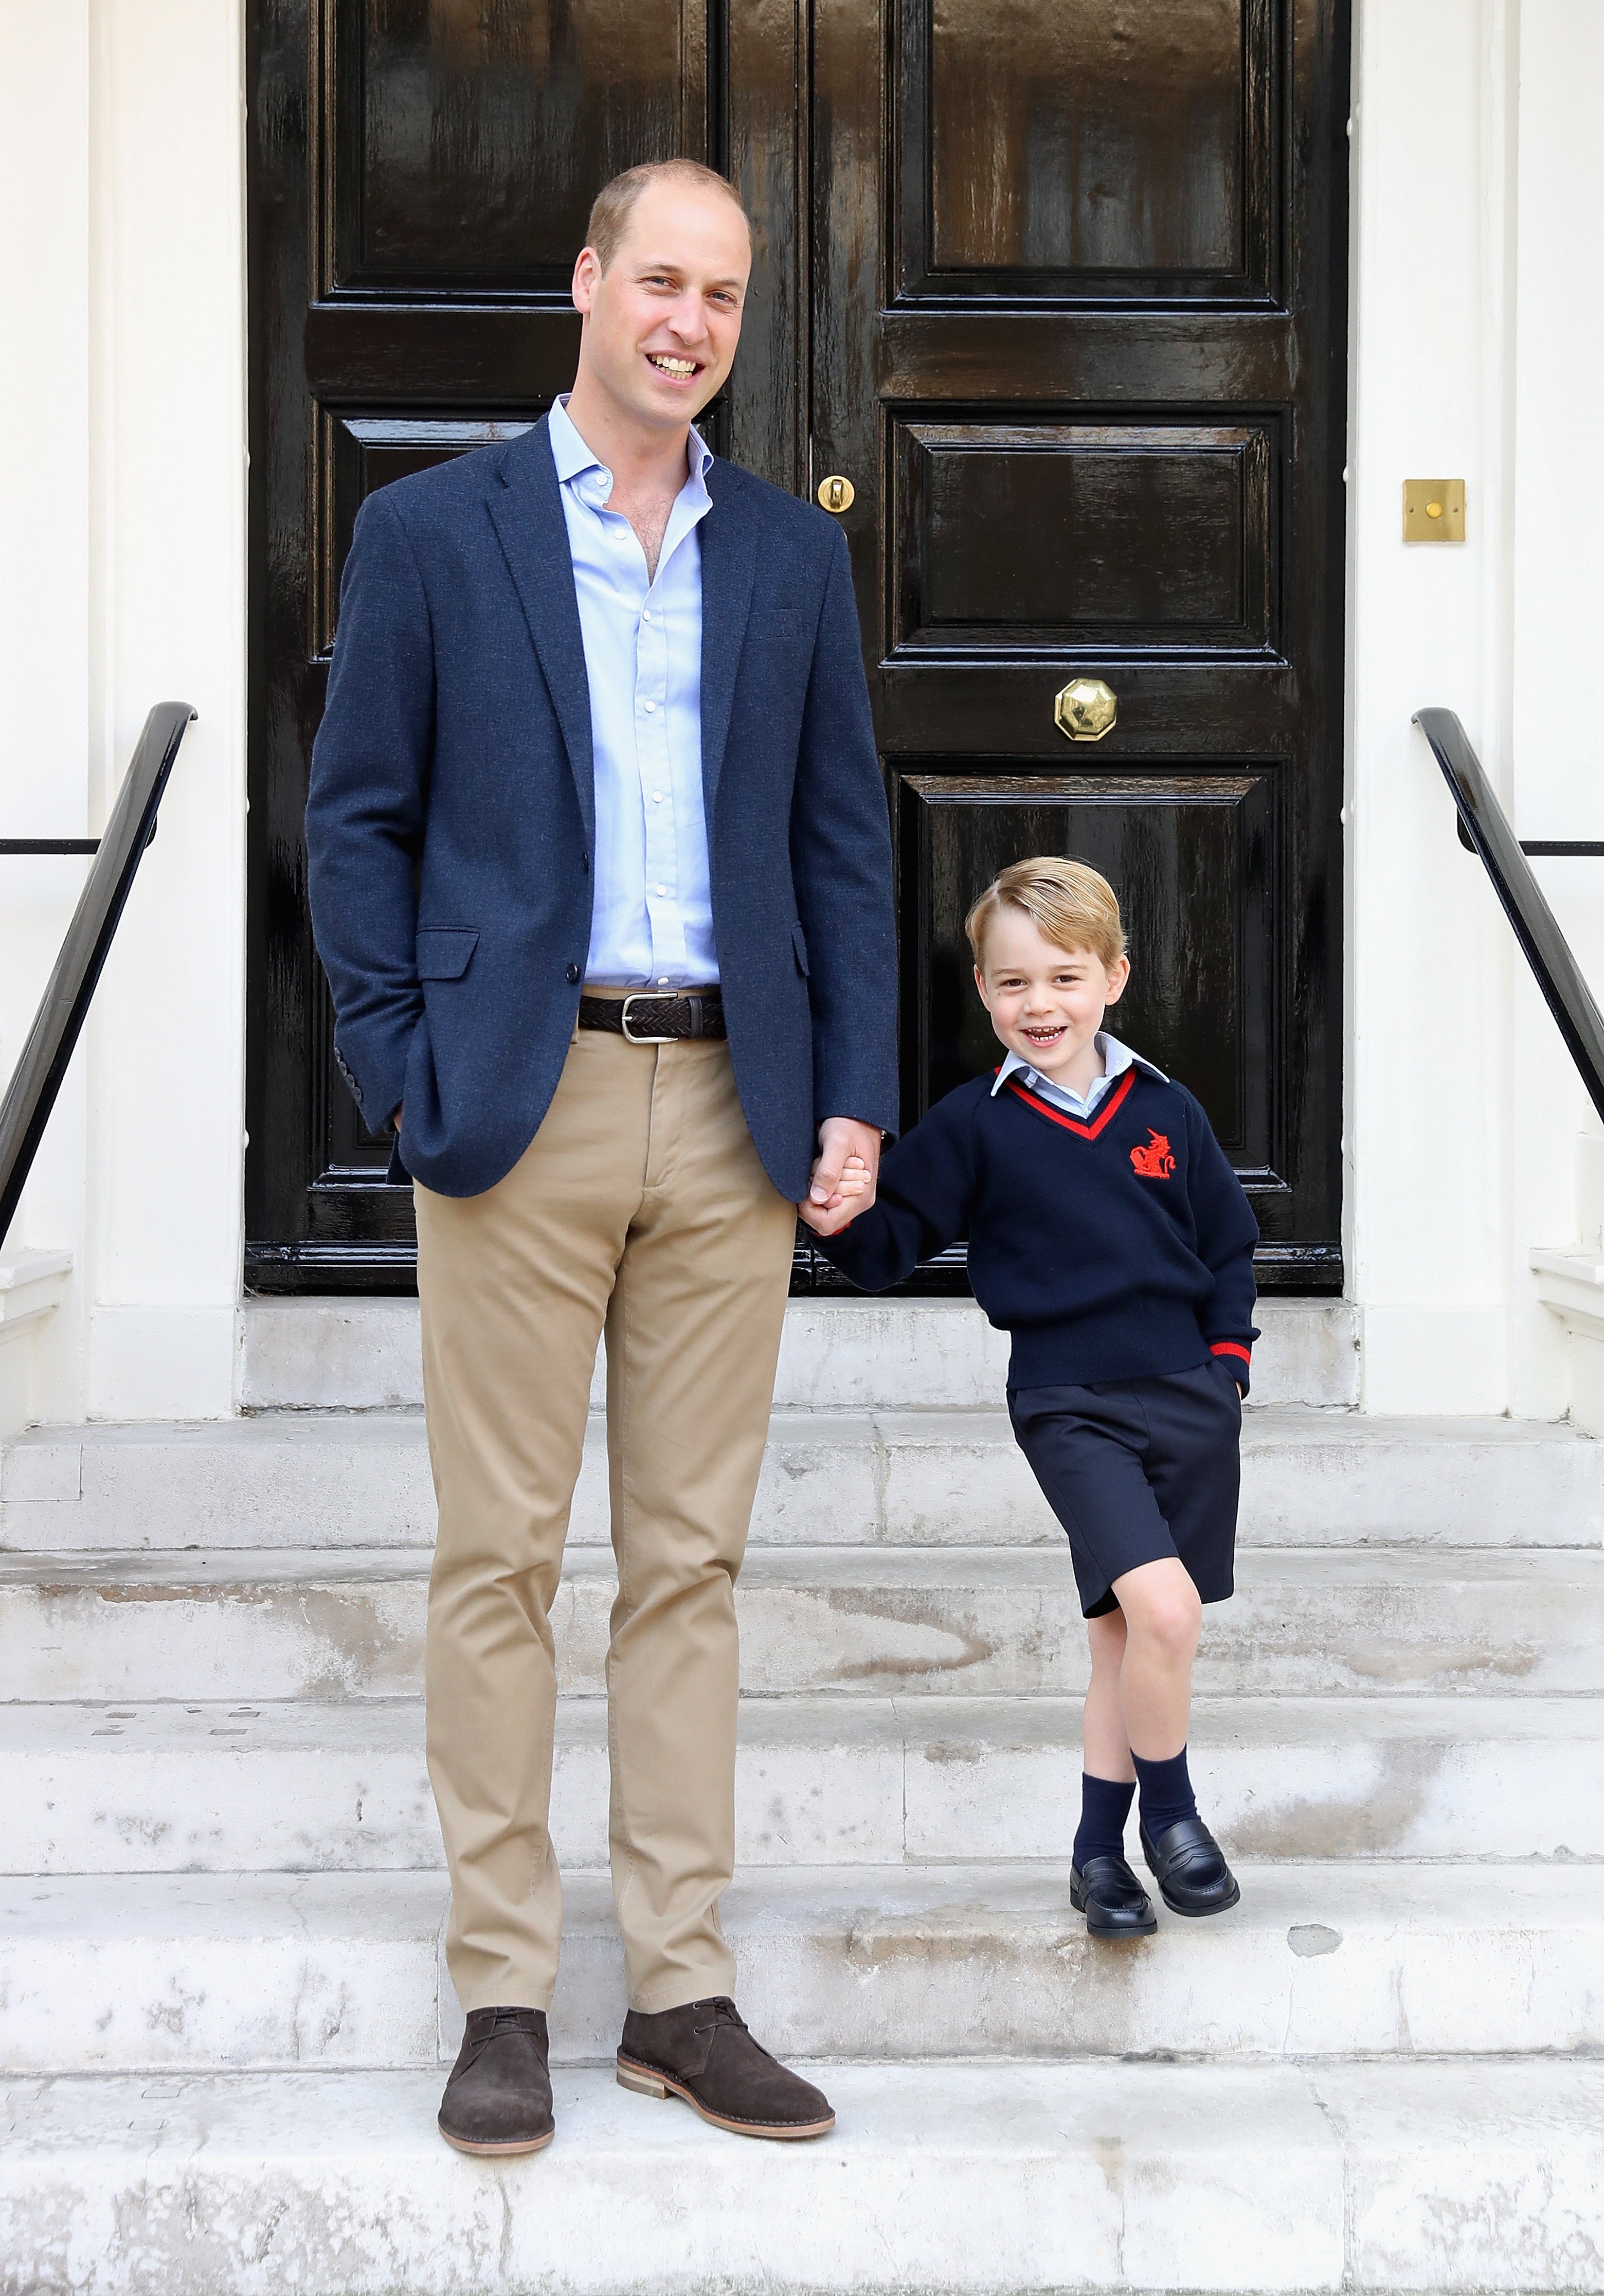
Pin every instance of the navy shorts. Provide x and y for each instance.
(1139, 1469)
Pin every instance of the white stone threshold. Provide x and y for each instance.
(837, 1355)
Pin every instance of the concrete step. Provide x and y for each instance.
(1397, 2176)
(821, 1781)
(899, 1621)
(847, 1353)
(200, 1973)
(862, 1478)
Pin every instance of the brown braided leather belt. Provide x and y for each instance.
(646, 1020)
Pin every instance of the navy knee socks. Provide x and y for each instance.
(1166, 1793)
(1104, 1809)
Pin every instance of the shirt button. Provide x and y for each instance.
(657, 797)
(651, 706)
(662, 980)
(570, 973)
(646, 614)
(662, 892)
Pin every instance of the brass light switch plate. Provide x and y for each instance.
(1434, 510)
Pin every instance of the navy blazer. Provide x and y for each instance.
(452, 813)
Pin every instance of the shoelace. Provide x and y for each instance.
(509, 2021)
(725, 2012)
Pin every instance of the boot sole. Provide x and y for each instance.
(485, 2151)
(644, 2082)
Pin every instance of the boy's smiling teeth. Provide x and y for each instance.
(670, 365)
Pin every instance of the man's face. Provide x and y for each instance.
(661, 322)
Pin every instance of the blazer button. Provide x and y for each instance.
(572, 973)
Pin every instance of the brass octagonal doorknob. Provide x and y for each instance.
(1084, 709)
(837, 494)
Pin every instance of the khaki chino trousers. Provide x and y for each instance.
(640, 1209)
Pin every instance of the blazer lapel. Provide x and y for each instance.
(526, 505)
(728, 564)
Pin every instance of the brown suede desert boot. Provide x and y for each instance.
(499, 2096)
(705, 2053)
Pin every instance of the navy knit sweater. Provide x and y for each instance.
(1115, 1248)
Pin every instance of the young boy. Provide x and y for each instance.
(1109, 1236)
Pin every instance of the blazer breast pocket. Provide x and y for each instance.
(445, 951)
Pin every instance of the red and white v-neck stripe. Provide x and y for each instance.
(1112, 1104)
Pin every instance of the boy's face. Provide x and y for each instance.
(1047, 1003)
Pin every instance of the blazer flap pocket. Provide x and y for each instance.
(800, 945)
(444, 951)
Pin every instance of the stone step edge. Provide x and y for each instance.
(881, 1479)
(209, 1972)
(799, 1564)
(1348, 2176)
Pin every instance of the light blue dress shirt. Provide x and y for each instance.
(1116, 1058)
(651, 916)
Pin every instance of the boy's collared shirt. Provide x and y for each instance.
(1116, 1058)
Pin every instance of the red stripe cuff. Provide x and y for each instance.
(1231, 1347)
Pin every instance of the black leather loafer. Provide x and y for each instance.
(1190, 1868)
(1111, 1898)
(499, 2096)
(705, 2053)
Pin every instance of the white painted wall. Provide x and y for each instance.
(1477, 280)
(122, 582)
(1478, 286)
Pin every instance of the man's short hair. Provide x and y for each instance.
(614, 203)
(1067, 902)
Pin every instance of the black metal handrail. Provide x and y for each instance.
(31, 1094)
(1483, 828)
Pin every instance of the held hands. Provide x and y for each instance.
(843, 1175)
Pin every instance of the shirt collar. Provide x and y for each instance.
(1116, 1058)
(573, 457)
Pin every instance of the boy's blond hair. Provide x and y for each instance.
(1069, 905)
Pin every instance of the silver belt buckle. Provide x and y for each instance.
(641, 997)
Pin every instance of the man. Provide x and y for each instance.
(599, 873)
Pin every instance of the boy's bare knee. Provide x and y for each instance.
(1162, 1610)
(1175, 1628)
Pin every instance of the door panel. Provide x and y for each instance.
(1079, 321)
(469, 141)
(1068, 147)
(1193, 854)
(1126, 536)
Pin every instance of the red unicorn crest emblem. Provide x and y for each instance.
(1157, 1159)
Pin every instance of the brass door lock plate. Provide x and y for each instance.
(1434, 510)
(1084, 709)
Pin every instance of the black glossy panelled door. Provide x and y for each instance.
(1057, 284)
(1079, 328)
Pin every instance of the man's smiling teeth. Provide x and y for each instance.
(672, 365)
